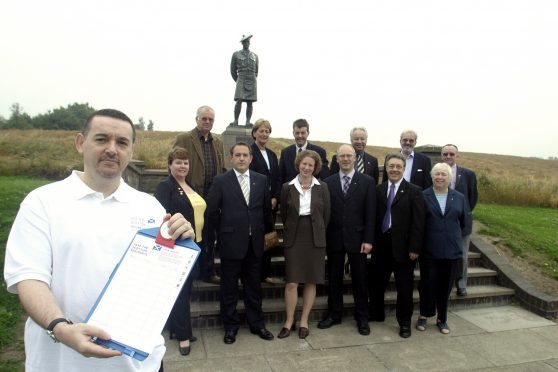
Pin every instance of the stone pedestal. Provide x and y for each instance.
(232, 135)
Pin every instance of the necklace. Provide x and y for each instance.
(303, 186)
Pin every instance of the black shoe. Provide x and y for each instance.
(328, 322)
(184, 350)
(363, 328)
(263, 333)
(405, 331)
(230, 337)
(461, 292)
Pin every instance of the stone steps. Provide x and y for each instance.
(202, 291)
(205, 314)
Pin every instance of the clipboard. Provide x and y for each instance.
(140, 293)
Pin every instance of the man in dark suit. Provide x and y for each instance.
(239, 206)
(350, 232)
(287, 171)
(399, 234)
(465, 181)
(365, 163)
(418, 166)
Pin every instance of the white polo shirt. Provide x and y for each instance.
(71, 237)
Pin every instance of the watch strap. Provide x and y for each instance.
(50, 328)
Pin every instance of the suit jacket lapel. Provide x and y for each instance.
(337, 187)
(295, 197)
(197, 145)
(382, 189)
(354, 185)
(458, 176)
(432, 196)
(400, 192)
(449, 201)
(252, 188)
(256, 153)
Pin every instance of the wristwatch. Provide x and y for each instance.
(53, 324)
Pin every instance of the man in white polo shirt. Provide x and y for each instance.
(65, 242)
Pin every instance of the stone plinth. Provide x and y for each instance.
(232, 135)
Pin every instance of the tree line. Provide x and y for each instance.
(71, 117)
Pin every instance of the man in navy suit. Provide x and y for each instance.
(239, 206)
(465, 181)
(417, 169)
(399, 233)
(287, 171)
(364, 163)
(350, 232)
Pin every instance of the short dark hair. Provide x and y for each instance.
(111, 113)
(395, 155)
(240, 143)
(301, 123)
(309, 154)
(177, 153)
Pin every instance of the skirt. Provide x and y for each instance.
(304, 262)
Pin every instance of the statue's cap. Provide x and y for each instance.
(245, 37)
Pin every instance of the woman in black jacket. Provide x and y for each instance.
(264, 161)
(176, 195)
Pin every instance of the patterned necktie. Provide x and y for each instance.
(346, 181)
(360, 164)
(387, 216)
(245, 188)
(299, 150)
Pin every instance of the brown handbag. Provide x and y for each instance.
(271, 240)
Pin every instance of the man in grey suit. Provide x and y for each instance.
(417, 169)
(465, 181)
(364, 162)
(239, 206)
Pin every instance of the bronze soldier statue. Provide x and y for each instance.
(244, 70)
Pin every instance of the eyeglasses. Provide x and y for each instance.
(448, 154)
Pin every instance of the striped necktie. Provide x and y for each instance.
(346, 181)
(360, 163)
(245, 188)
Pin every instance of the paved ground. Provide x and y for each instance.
(506, 338)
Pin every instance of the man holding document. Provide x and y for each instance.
(65, 242)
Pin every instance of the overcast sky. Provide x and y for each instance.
(481, 74)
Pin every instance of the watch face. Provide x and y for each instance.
(51, 335)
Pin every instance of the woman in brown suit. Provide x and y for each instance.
(305, 213)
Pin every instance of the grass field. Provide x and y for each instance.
(12, 192)
(529, 232)
(510, 180)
